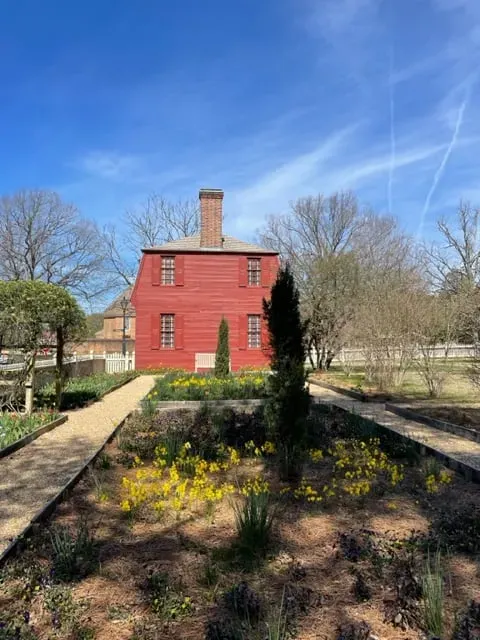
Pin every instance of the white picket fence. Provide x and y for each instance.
(117, 362)
(114, 362)
(454, 351)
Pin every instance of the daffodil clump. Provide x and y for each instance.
(202, 387)
(188, 481)
(357, 465)
(433, 482)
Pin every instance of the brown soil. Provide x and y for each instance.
(464, 416)
(115, 599)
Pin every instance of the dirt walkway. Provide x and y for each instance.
(31, 477)
(455, 447)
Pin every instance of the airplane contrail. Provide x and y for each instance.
(393, 149)
(441, 168)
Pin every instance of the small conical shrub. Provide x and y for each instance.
(222, 356)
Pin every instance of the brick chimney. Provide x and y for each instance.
(211, 218)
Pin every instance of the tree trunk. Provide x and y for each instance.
(59, 368)
(30, 384)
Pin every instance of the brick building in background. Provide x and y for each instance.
(113, 319)
(184, 287)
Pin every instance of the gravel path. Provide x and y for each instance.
(455, 447)
(32, 476)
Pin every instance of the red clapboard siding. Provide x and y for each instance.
(211, 290)
(179, 271)
(265, 272)
(179, 328)
(156, 268)
(155, 330)
(242, 331)
(243, 271)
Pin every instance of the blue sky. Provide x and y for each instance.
(106, 101)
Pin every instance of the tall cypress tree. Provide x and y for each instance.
(288, 405)
(222, 356)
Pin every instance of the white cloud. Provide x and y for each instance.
(110, 165)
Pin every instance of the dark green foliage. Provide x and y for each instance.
(204, 429)
(355, 631)
(468, 624)
(79, 392)
(222, 356)
(289, 401)
(457, 528)
(74, 554)
(222, 629)
(361, 590)
(243, 602)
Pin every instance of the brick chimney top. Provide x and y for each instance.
(211, 218)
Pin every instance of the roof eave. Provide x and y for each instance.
(213, 250)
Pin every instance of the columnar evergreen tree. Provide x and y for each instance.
(288, 405)
(222, 356)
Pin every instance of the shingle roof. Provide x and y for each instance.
(115, 309)
(192, 243)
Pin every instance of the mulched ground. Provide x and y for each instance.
(308, 556)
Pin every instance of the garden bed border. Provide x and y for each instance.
(244, 403)
(46, 511)
(450, 427)
(33, 435)
(357, 395)
(469, 472)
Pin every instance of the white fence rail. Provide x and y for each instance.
(453, 351)
(117, 362)
(114, 362)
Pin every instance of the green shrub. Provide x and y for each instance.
(222, 356)
(74, 554)
(81, 391)
(254, 521)
(288, 403)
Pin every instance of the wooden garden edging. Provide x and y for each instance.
(198, 404)
(357, 395)
(47, 510)
(470, 472)
(450, 427)
(30, 437)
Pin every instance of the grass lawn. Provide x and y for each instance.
(459, 402)
(174, 563)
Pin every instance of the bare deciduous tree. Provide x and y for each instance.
(338, 250)
(437, 323)
(454, 262)
(44, 238)
(154, 222)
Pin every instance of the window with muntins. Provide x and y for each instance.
(168, 270)
(167, 330)
(254, 332)
(254, 275)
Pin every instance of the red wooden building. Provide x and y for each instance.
(184, 287)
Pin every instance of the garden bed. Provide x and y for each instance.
(154, 564)
(199, 387)
(17, 429)
(81, 392)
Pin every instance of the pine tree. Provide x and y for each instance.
(222, 356)
(288, 405)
